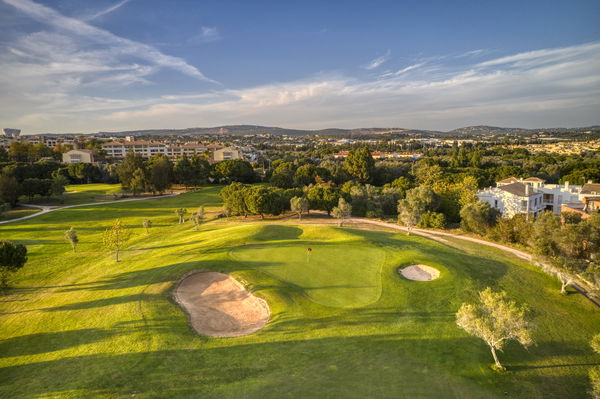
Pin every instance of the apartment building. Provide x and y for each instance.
(147, 149)
(532, 195)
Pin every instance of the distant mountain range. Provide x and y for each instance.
(240, 130)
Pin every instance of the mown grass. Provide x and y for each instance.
(80, 194)
(16, 213)
(81, 325)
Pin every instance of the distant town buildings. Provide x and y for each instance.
(383, 155)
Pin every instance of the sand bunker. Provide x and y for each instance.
(219, 306)
(420, 272)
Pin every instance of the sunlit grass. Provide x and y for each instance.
(343, 323)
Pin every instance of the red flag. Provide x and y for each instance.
(309, 249)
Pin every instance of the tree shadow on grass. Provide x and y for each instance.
(33, 344)
(387, 365)
(270, 232)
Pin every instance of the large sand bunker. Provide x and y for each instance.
(420, 273)
(220, 306)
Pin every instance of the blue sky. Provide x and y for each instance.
(86, 66)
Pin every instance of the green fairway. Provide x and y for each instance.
(335, 274)
(81, 194)
(343, 323)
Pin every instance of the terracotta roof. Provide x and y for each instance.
(536, 179)
(590, 188)
(86, 151)
(518, 189)
(508, 180)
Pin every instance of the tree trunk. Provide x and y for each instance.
(498, 364)
(563, 286)
(117, 255)
(74, 247)
(299, 215)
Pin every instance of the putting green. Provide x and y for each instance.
(331, 274)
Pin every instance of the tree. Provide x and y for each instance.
(12, 258)
(198, 217)
(323, 196)
(305, 175)
(299, 205)
(408, 214)
(71, 236)
(263, 200)
(234, 199)
(360, 164)
(127, 168)
(478, 217)
(283, 175)
(562, 248)
(181, 213)
(183, 171)
(342, 211)
(57, 188)
(18, 151)
(147, 223)
(495, 319)
(234, 170)
(418, 201)
(9, 189)
(161, 173)
(139, 182)
(114, 237)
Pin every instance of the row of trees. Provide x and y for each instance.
(567, 248)
(158, 173)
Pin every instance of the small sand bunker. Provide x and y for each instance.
(420, 273)
(220, 306)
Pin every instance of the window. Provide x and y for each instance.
(548, 197)
(496, 203)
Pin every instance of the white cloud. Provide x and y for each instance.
(402, 71)
(377, 62)
(207, 34)
(543, 88)
(96, 35)
(108, 10)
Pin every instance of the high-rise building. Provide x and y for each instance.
(12, 132)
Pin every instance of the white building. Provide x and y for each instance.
(225, 154)
(146, 149)
(513, 198)
(509, 192)
(78, 156)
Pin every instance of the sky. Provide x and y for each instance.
(76, 66)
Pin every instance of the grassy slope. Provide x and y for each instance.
(80, 194)
(17, 213)
(79, 325)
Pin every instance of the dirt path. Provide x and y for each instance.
(45, 209)
(219, 306)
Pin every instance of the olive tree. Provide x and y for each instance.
(495, 319)
(198, 217)
(299, 205)
(114, 237)
(12, 258)
(418, 201)
(181, 213)
(342, 211)
(71, 236)
(147, 223)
